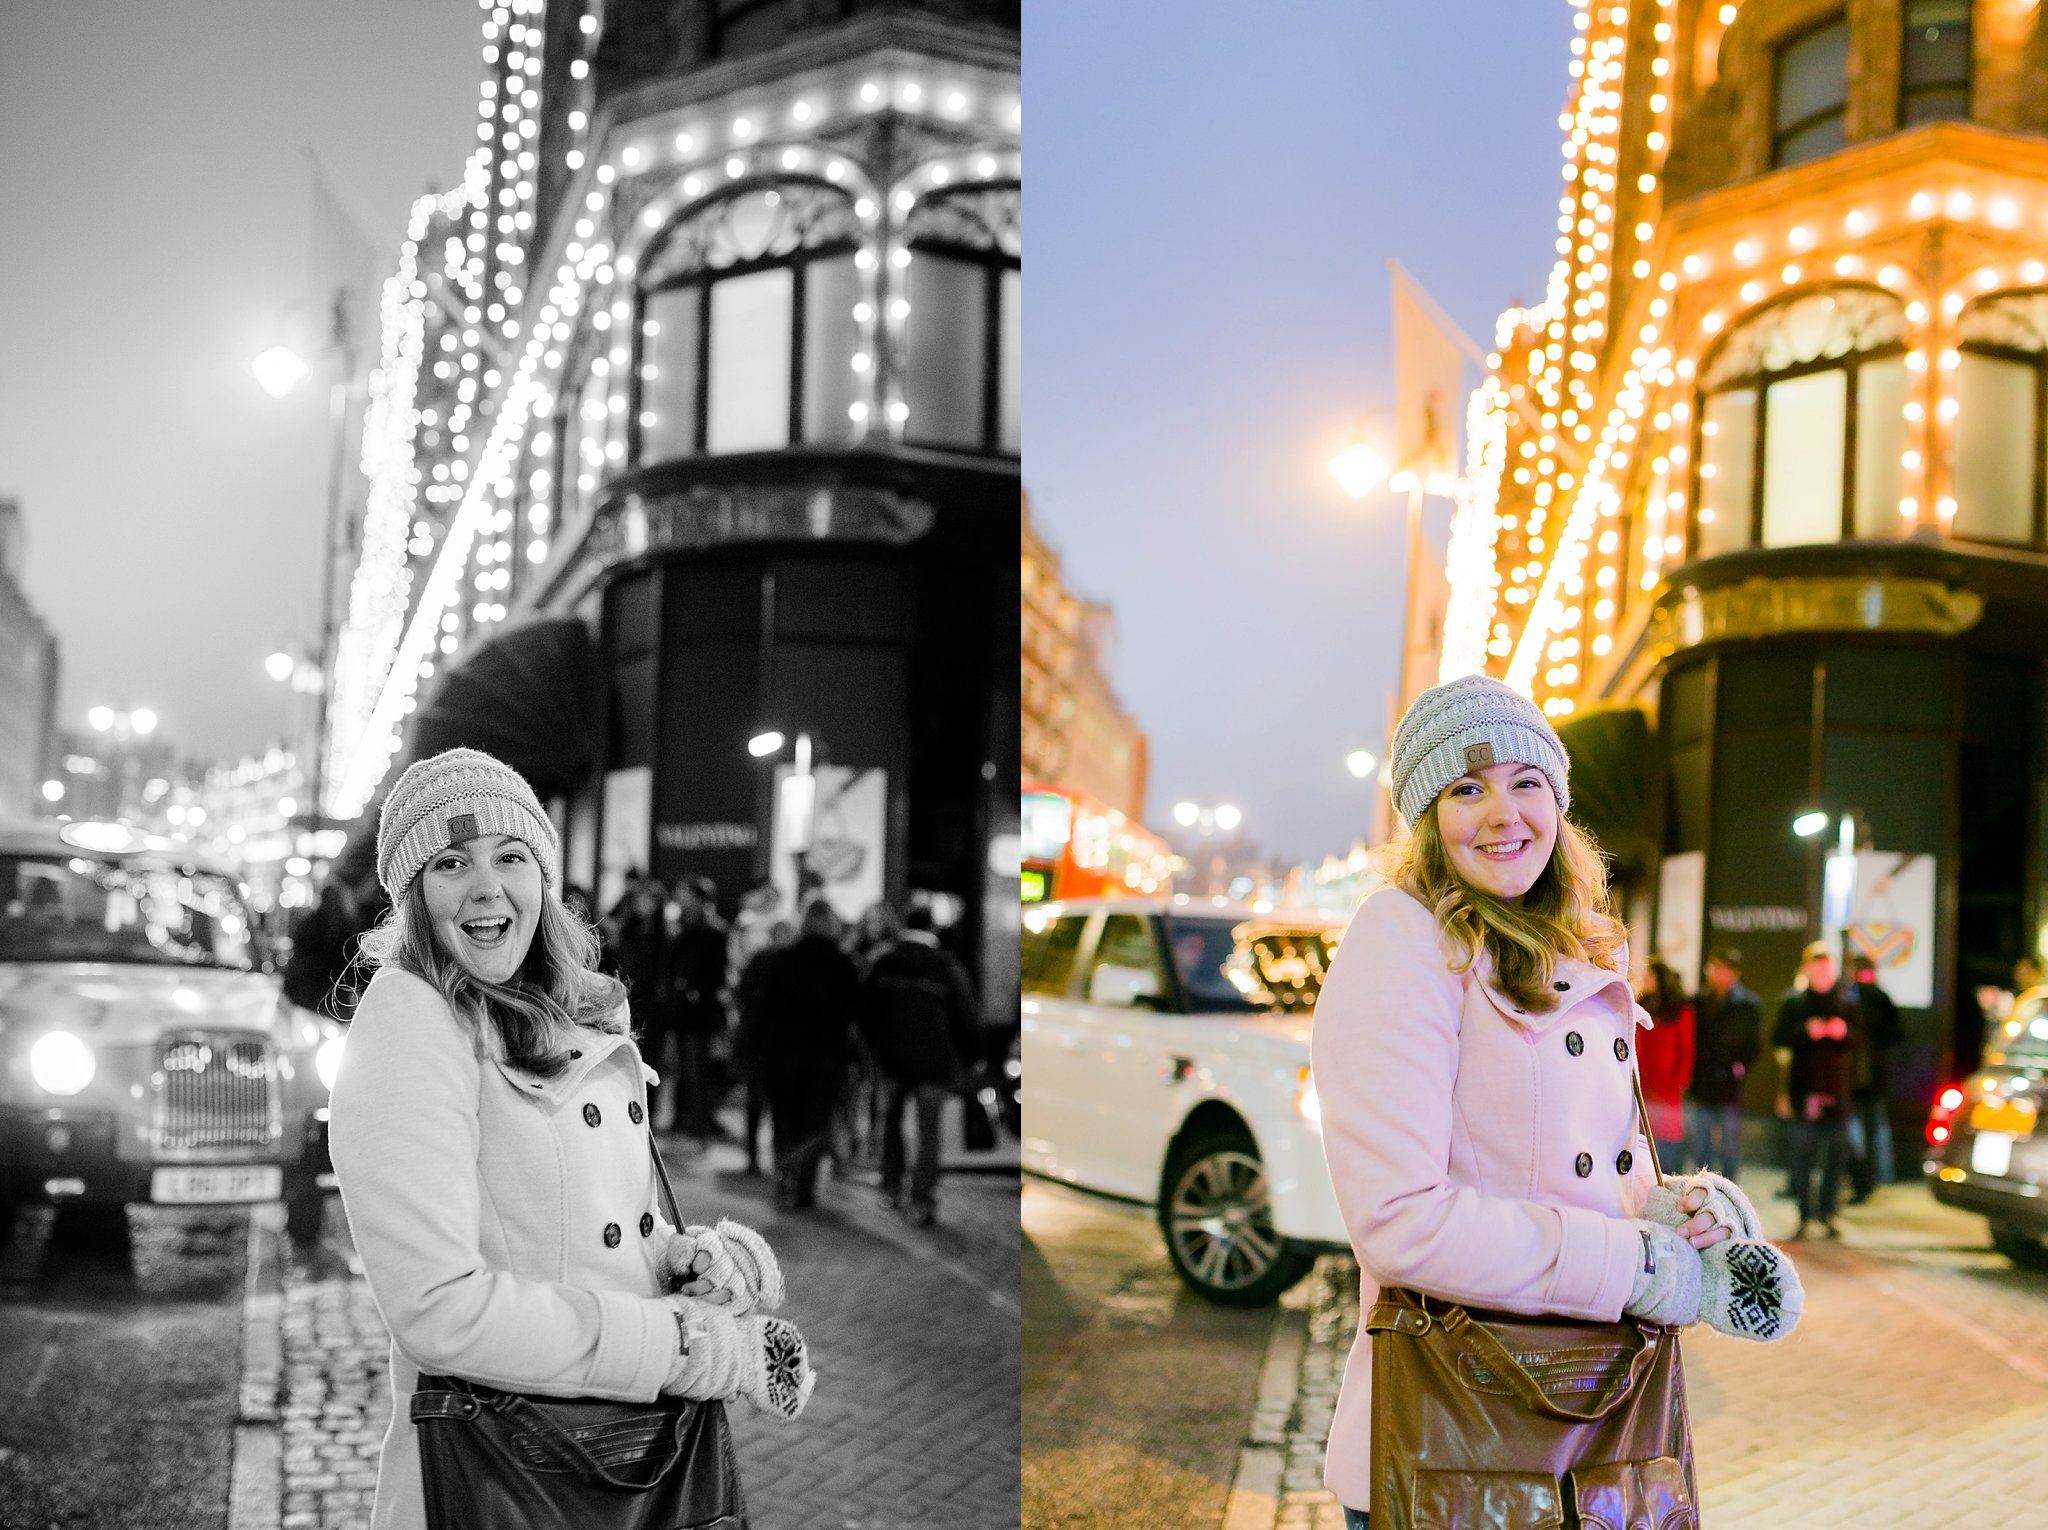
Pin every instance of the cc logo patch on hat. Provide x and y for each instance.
(1478, 756)
(463, 825)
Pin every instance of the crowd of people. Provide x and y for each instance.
(1832, 1042)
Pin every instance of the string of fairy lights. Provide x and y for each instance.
(507, 358)
(1576, 455)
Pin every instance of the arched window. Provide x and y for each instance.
(746, 335)
(1999, 395)
(963, 339)
(1800, 423)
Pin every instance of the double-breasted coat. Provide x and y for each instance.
(507, 1223)
(1479, 1153)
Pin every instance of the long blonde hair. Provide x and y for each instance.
(1565, 914)
(529, 1022)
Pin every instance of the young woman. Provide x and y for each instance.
(1473, 1055)
(1664, 1054)
(490, 1131)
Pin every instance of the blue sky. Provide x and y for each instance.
(1213, 191)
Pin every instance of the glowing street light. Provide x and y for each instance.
(761, 745)
(142, 720)
(1186, 814)
(279, 666)
(1228, 818)
(1359, 469)
(1360, 763)
(101, 718)
(1806, 825)
(53, 791)
(279, 370)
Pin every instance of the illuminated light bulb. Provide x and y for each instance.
(1848, 265)
(1909, 508)
(863, 312)
(836, 171)
(904, 201)
(1641, 269)
(864, 208)
(1799, 238)
(1961, 204)
(1949, 408)
(861, 361)
(742, 127)
(899, 309)
(1891, 276)
(651, 218)
(899, 258)
(1791, 275)
(870, 93)
(1986, 279)
(692, 185)
(1916, 312)
(629, 156)
(864, 259)
(1745, 252)
(685, 143)
(1695, 266)
(2033, 272)
(985, 166)
(1950, 360)
(791, 158)
(605, 176)
(1945, 508)
(573, 159)
(1910, 461)
(913, 93)
(899, 411)
(735, 167)
(801, 111)
(940, 175)
(1644, 231)
(1922, 205)
(1858, 222)
(1914, 412)
(857, 412)
(1751, 291)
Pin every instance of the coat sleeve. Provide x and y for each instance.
(1385, 1045)
(405, 1139)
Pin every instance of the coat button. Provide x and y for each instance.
(592, 1115)
(1621, 1049)
(1583, 1164)
(612, 1235)
(573, 1055)
(1561, 986)
(633, 1111)
(1574, 1043)
(646, 1224)
(1625, 1162)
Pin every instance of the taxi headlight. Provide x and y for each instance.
(62, 1063)
(1307, 1104)
(327, 1061)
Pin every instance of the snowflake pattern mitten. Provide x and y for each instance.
(775, 1371)
(729, 1265)
(1749, 1289)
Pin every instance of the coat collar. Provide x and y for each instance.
(595, 1047)
(1573, 980)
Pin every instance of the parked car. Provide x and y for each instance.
(145, 1056)
(1166, 1062)
(1986, 1152)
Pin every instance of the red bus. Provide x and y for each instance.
(1074, 847)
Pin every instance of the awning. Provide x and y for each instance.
(528, 696)
(1611, 774)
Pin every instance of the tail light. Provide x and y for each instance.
(1946, 1104)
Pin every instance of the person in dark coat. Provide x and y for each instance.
(1818, 1034)
(1728, 1031)
(696, 1002)
(1870, 1128)
(638, 941)
(917, 1014)
(323, 949)
(748, 1055)
(807, 999)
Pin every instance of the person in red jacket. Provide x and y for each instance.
(1664, 1051)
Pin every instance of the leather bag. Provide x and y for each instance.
(1499, 1421)
(493, 1460)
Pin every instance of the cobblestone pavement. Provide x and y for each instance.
(914, 1333)
(1914, 1392)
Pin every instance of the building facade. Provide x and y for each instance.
(1076, 735)
(697, 422)
(1755, 502)
(28, 683)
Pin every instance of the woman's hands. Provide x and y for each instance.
(728, 1266)
(1704, 1208)
(723, 1358)
(1748, 1288)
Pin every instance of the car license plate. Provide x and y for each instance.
(2014, 1116)
(254, 1182)
(1991, 1153)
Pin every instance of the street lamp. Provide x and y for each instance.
(1360, 763)
(122, 729)
(796, 801)
(280, 369)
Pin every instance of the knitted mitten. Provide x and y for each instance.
(1729, 1205)
(1749, 1289)
(711, 1352)
(775, 1367)
(729, 1265)
(1667, 1283)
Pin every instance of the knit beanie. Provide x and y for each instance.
(453, 796)
(1468, 724)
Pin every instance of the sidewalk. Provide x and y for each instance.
(1920, 1366)
(914, 1333)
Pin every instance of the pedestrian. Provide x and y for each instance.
(918, 1017)
(1664, 1054)
(749, 1055)
(1818, 1033)
(1728, 1030)
(806, 1003)
(489, 1135)
(323, 950)
(1473, 1066)
(696, 1004)
(1869, 1126)
(639, 945)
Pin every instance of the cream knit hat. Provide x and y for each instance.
(457, 795)
(1468, 724)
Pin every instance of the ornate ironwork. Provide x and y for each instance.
(761, 223)
(1817, 327)
(978, 218)
(1760, 607)
(2018, 321)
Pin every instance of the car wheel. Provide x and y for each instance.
(1217, 1218)
(305, 1213)
(2023, 1248)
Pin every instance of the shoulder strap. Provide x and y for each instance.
(668, 1191)
(1643, 1116)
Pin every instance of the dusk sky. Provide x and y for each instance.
(1213, 193)
(158, 224)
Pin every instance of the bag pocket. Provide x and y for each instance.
(1634, 1495)
(1456, 1500)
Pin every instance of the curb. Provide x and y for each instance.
(1254, 1502)
(256, 1473)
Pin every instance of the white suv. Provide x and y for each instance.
(1166, 1061)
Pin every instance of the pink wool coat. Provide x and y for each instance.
(498, 1216)
(1476, 1151)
